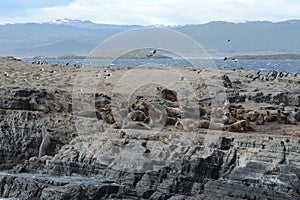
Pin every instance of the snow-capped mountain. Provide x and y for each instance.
(90, 25)
(77, 37)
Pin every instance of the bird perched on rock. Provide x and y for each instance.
(226, 81)
(45, 142)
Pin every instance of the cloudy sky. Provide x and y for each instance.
(146, 12)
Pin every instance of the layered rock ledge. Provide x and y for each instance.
(53, 147)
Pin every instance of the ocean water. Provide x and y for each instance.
(284, 65)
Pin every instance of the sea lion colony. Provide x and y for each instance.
(166, 111)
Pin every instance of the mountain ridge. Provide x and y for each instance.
(53, 38)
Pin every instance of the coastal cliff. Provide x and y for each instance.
(108, 162)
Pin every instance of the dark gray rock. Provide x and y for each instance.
(34, 186)
(228, 190)
(174, 166)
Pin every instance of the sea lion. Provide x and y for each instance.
(252, 116)
(142, 106)
(202, 111)
(186, 125)
(228, 119)
(117, 125)
(45, 142)
(204, 124)
(168, 94)
(260, 120)
(281, 118)
(171, 121)
(233, 106)
(249, 128)
(108, 117)
(240, 126)
(137, 115)
(34, 106)
(239, 113)
(174, 112)
(150, 111)
(270, 117)
(135, 125)
(291, 120)
(216, 126)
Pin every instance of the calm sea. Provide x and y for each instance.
(285, 65)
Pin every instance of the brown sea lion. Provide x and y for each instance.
(260, 120)
(137, 115)
(252, 116)
(174, 112)
(270, 117)
(211, 125)
(168, 94)
(151, 111)
(281, 118)
(204, 124)
(108, 117)
(240, 126)
(34, 106)
(186, 125)
(228, 119)
(171, 121)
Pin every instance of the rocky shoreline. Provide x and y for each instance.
(249, 149)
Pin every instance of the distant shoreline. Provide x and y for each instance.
(139, 56)
(269, 56)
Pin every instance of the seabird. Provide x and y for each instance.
(228, 40)
(152, 53)
(45, 142)
(234, 59)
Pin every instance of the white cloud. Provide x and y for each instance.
(169, 11)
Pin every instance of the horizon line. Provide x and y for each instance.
(56, 21)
